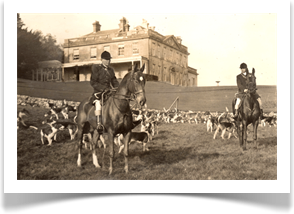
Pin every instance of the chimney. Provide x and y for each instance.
(145, 24)
(179, 39)
(127, 27)
(152, 27)
(96, 27)
(122, 24)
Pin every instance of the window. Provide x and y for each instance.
(159, 72)
(171, 55)
(177, 58)
(165, 74)
(93, 53)
(135, 48)
(193, 81)
(107, 48)
(121, 50)
(76, 54)
(185, 62)
(153, 69)
(158, 51)
(164, 53)
(153, 49)
(180, 60)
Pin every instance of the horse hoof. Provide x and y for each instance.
(97, 166)
(126, 170)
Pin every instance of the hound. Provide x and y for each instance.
(21, 123)
(22, 113)
(71, 126)
(56, 111)
(140, 137)
(49, 131)
(224, 124)
(211, 121)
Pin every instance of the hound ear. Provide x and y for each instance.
(253, 71)
(143, 68)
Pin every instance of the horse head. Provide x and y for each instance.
(251, 81)
(137, 84)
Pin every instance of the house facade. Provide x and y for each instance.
(165, 57)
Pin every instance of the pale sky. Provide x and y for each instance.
(217, 43)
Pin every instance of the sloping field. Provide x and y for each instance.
(158, 94)
(179, 151)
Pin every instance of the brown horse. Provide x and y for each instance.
(116, 115)
(249, 111)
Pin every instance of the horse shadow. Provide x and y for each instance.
(266, 142)
(158, 156)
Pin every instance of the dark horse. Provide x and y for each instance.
(116, 115)
(249, 111)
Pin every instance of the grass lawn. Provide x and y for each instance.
(179, 151)
(158, 94)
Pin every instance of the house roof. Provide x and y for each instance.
(49, 63)
(192, 70)
(104, 32)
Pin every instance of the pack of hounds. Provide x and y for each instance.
(63, 118)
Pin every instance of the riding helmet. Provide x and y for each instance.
(105, 55)
(243, 65)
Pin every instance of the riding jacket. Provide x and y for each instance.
(241, 83)
(102, 77)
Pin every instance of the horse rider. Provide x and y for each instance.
(242, 89)
(102, 80)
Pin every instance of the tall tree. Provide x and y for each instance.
(20, 24)
(33, 47)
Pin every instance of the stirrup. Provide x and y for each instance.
(100, 126)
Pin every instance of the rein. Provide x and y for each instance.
(128, 98)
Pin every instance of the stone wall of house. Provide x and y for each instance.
(41, 102)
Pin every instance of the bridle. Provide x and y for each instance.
(128, 98)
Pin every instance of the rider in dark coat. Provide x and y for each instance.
(242, 89)
(102, 80)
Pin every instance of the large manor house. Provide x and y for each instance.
(165, 57)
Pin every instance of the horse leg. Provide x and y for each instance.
(80, 144)
(255, 126)
(111, 151)
(240, 133)
(126, 141)
(244, 135)
(94, 152)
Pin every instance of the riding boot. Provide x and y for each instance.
(236, 114)
(99, 124)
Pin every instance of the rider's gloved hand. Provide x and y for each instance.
(245, 90)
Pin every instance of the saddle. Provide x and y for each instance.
(98, 96)
(242, 96)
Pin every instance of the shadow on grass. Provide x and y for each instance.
(269, 141)
(157, 156)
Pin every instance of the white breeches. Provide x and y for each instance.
(239, 100)
(97, 107)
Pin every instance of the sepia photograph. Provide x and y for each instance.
(169, 101)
